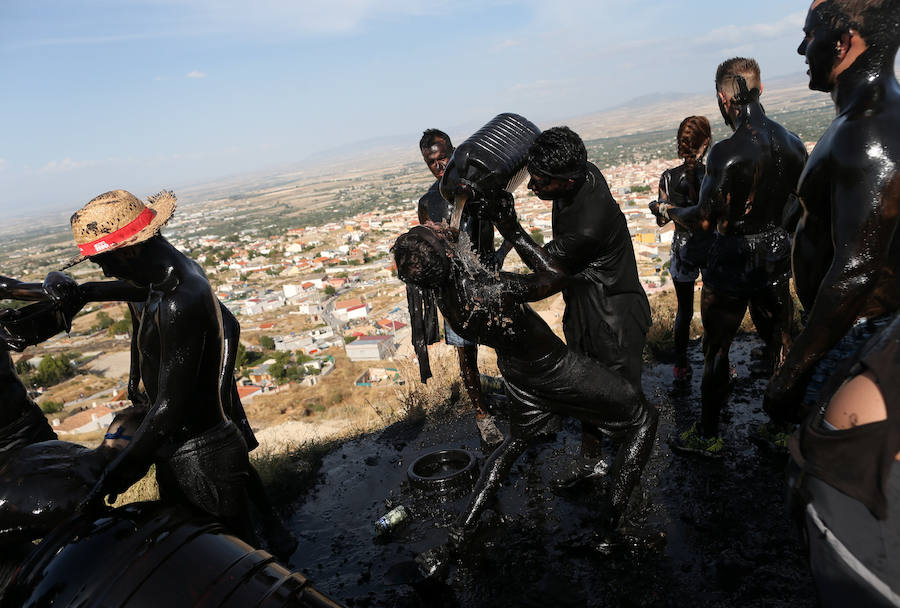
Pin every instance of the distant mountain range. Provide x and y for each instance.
(642, 114)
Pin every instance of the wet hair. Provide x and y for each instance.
(738, 66)
(694, 134)
(558, 152)
(422, 241)
(877, 21)
(430, 136)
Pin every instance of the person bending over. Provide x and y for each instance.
(607, 312)
(200, 456)
(543, 377)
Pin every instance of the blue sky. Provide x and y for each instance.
(145, 94)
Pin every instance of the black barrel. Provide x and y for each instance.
(145, 555)
(492, 159)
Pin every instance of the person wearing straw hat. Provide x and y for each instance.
(201, 459)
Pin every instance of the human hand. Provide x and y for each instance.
(10, 341)
(661, 211)
(500, 208)
(65, 293)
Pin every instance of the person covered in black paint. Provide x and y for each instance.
(200, 456)
(846, 253)
(21, 420)
(607, 313)
(544, 378)
(436, 149)
(42, 483)
(845, 478)
(750, 181)
(680, 187)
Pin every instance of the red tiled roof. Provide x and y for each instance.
(245, 390)
(348, 304)
(82, 418)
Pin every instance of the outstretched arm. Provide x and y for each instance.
(713, 193)
(521, 288)
(862, 229)
(13, 289)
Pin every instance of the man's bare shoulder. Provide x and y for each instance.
(189, 301)
(730, 154)
(864, 139)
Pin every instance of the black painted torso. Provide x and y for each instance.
(752, 175)
(850, 186)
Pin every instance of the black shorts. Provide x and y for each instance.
(742, 265)
(690, 255)
(568, 384)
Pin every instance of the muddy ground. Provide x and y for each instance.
(703, 533)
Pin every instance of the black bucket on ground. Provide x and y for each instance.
(492, 159)
(444, 472)
(146, 555)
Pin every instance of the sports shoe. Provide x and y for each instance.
(772, 436)
(692, 442)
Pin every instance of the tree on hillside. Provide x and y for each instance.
(267, 342)
(246, 358)
(103, 321)
(23, 367)
(122, 326)
(52, 369)
(538, 236)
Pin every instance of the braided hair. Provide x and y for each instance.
(694, 135)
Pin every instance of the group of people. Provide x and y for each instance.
(758, 212)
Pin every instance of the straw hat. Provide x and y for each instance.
(118, 219)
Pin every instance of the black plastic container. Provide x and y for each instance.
(145, 555)
(492, 159)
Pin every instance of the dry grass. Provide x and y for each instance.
(664, 305)
(145, 489)
(660, 337)
(288, 473)
(69, 390)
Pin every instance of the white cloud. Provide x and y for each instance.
(508, 43)
(301, 16)
(196, 74)
(745, 34)
(66, 164)
(2, 163)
